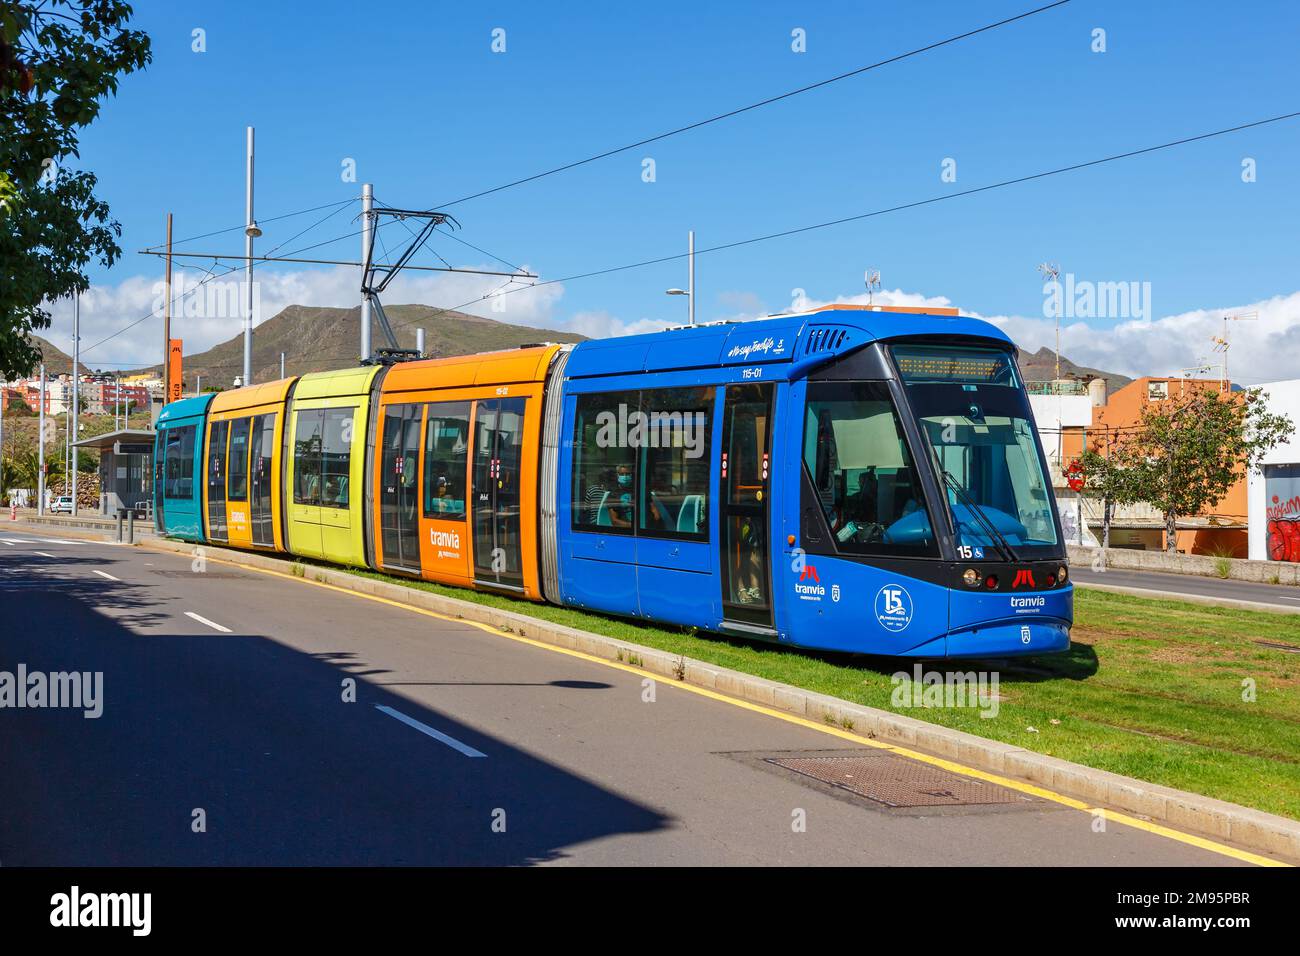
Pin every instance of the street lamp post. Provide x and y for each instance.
(251, 232)
(689, 291)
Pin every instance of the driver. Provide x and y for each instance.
(863, 506)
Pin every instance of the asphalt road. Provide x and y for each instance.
(1178, 585)
(223, 702)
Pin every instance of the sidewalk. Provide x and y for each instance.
(82, 522)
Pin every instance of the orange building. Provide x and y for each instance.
(1221, 528)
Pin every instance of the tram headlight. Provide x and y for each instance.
(1061, 574)
(971, 578)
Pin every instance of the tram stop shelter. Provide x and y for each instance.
(125, 469)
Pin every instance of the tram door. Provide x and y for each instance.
(498, 453)
(217, 434)
(399, 487)
(260, 450)
(745, 496)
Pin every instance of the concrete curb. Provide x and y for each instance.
(1196, 565)
(1190, 812)
(1206, 599)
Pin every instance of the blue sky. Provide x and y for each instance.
(414, 94)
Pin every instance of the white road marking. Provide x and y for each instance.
(13, 541)
(203, 620)
(438, 735)
(104, 574)
(43, 554)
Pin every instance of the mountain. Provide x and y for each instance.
(1040, 366)
(56, 362)
(315, 339)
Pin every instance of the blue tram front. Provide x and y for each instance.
(857, 480)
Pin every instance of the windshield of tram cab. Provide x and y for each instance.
(972, 407)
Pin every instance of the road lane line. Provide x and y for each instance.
(1114, 816)
(438, 735)
(43, 554)
(203, 620)
(104, 574)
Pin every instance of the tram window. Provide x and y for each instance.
(178, 463)
(336, 457)
(862, 471)
(238, 460)
(446, 457)
(306, 457)
(674, 489)
(604, 464)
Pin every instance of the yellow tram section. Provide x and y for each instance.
(242, 465)
(438, 391)
(324, 464)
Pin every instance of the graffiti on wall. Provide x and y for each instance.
(1282, 491)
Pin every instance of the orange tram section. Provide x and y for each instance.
(427, 468)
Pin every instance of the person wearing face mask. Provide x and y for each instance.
(620, 514)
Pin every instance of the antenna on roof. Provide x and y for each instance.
(873, 284)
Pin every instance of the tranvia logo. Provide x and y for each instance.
(767, 346)
(1028, 605)
(893, 607)
(447, 543)
(1024, 577)
(809, 586)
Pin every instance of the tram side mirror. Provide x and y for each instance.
(975, 413)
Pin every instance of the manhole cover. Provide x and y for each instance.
(899, 782)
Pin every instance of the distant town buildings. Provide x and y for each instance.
(1071, 415)
(100, 394)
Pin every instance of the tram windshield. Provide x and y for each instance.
(974, 416)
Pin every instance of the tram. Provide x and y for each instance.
(860, 479)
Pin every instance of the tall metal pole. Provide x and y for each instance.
(282, 365)
(419, 341)
(40, 443)
(367, 225)
(167, 317)
(690, 287)
(249, 231)
(76, 392)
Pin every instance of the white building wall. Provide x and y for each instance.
(1054, 412)
(1283, 399)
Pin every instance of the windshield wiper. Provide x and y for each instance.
(997, 537)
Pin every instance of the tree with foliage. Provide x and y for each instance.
(1188, 451)
(1107, 477)
(58, 60)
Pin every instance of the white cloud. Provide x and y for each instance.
(205, 315)
(1263, 350)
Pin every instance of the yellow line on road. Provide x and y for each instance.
(941, 762)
